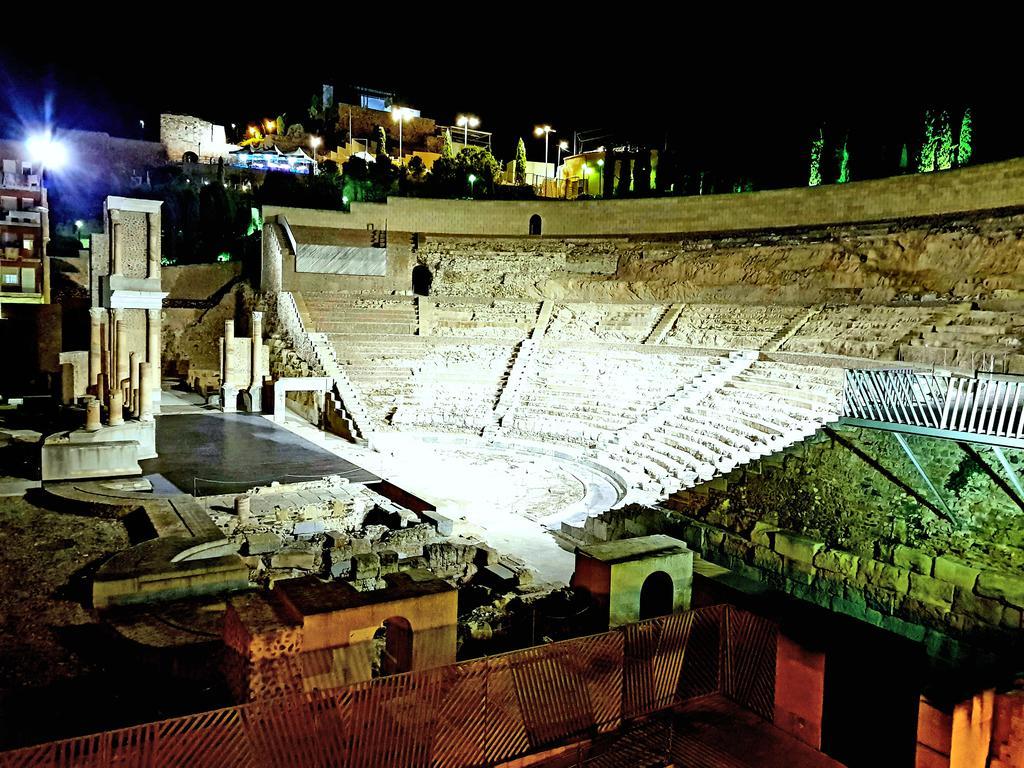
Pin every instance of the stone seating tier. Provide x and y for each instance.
(730, 326)
(630, 323)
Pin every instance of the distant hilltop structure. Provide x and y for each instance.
(192, 139)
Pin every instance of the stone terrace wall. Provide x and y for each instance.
(956, 258)
(979, 188)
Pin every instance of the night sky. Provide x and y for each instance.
(746, 101)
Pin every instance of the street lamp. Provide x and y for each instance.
(545, 131)
(465, 122)
(314, 142)
(472, 181)
(400, 115)
(47, 151)
(600, 177)
(563, 146)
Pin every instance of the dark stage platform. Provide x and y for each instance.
(228, 452)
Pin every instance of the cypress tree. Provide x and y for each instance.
(447, 152)
(817, 145)
(382, 141)
(520, 174)
(844, 163)
(926, 160)
(965, 147)
(944, 147)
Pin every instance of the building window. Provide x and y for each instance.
(10, 278)
(28, 243)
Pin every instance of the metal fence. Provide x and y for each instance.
(475, 713)
(990, 406)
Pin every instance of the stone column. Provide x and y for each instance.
(153, 262)
(153, 353)
(226, 370)
(115, 404)
(120, 350)
(257, 350)
(67, 383)
(133, 384)
(92, 415)
(145, 399)
(115, 242)
(242, 507)
(95, 344)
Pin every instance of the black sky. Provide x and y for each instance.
(752, 96)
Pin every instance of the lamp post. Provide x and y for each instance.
(314, 142)
(400, 115)
(472, 181)
(545, 131)
(465, 122)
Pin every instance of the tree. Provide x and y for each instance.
(926, 160)
(965, 147)
(904, 159)
(447, 152)
(608, 178)
(944, 145)
(624, 176)
(520, 174)
(382, 142)
(817, 145)
(844, 162)
(642, 173)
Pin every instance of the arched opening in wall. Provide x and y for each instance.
(656, 595)
(421, 280)
(190, 157)
(394, 647)
(535, 224)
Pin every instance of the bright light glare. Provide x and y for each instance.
(47, 151)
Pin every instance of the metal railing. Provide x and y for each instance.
(475, 713)
(986, 405)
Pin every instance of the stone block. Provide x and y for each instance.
(796, 547)
(1004, 586)
(365, 566)
(736, 547)
(340, 568)
(986, 610)
(912, 559)
(761, 533)
(878, 574)
(303, 559)
(767, 559)
(262, 543)
(799, 572)
(337, 539)
(837, 561)
(361, 546)
(388, 561)
(308, 528)
(1012, 618)
(929, 590)
(957, 573)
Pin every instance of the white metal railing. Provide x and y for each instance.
(988, 405)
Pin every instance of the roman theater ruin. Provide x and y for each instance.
(781, 430)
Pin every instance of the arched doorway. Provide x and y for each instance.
(190, 157)
(656, 595)
(535, 224)
(394, 640)
(421, 280)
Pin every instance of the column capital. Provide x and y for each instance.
(115, 214)
(97, 314)
(153, 314)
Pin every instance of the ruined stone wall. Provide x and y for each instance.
(184, 133)
(853, 527)
(956, 258)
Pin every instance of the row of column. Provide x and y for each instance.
(256, 359)
(119, 377)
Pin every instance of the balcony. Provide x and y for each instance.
(20, 218)
(18, 180)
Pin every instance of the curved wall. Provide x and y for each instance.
(979, 188)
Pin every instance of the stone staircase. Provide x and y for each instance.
(775, 343)
(664, 325)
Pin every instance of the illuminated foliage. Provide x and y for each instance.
(844, 163)
(447, 152)
(944, 143)
(965, 148)
(904, 159)
(382, 142)
(817, 145)
(520, 177)
(926, 160)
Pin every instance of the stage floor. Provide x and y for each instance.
(217, 452)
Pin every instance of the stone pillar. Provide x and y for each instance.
(133, 384)
(242, 507)
(95, 345)
(153, 353)
(257, 350)
(92, 415)
(226, 371)
(153, 262)
(120, 350)
(67, 383)
(115, 242)
(115, 404)
(145, 392)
